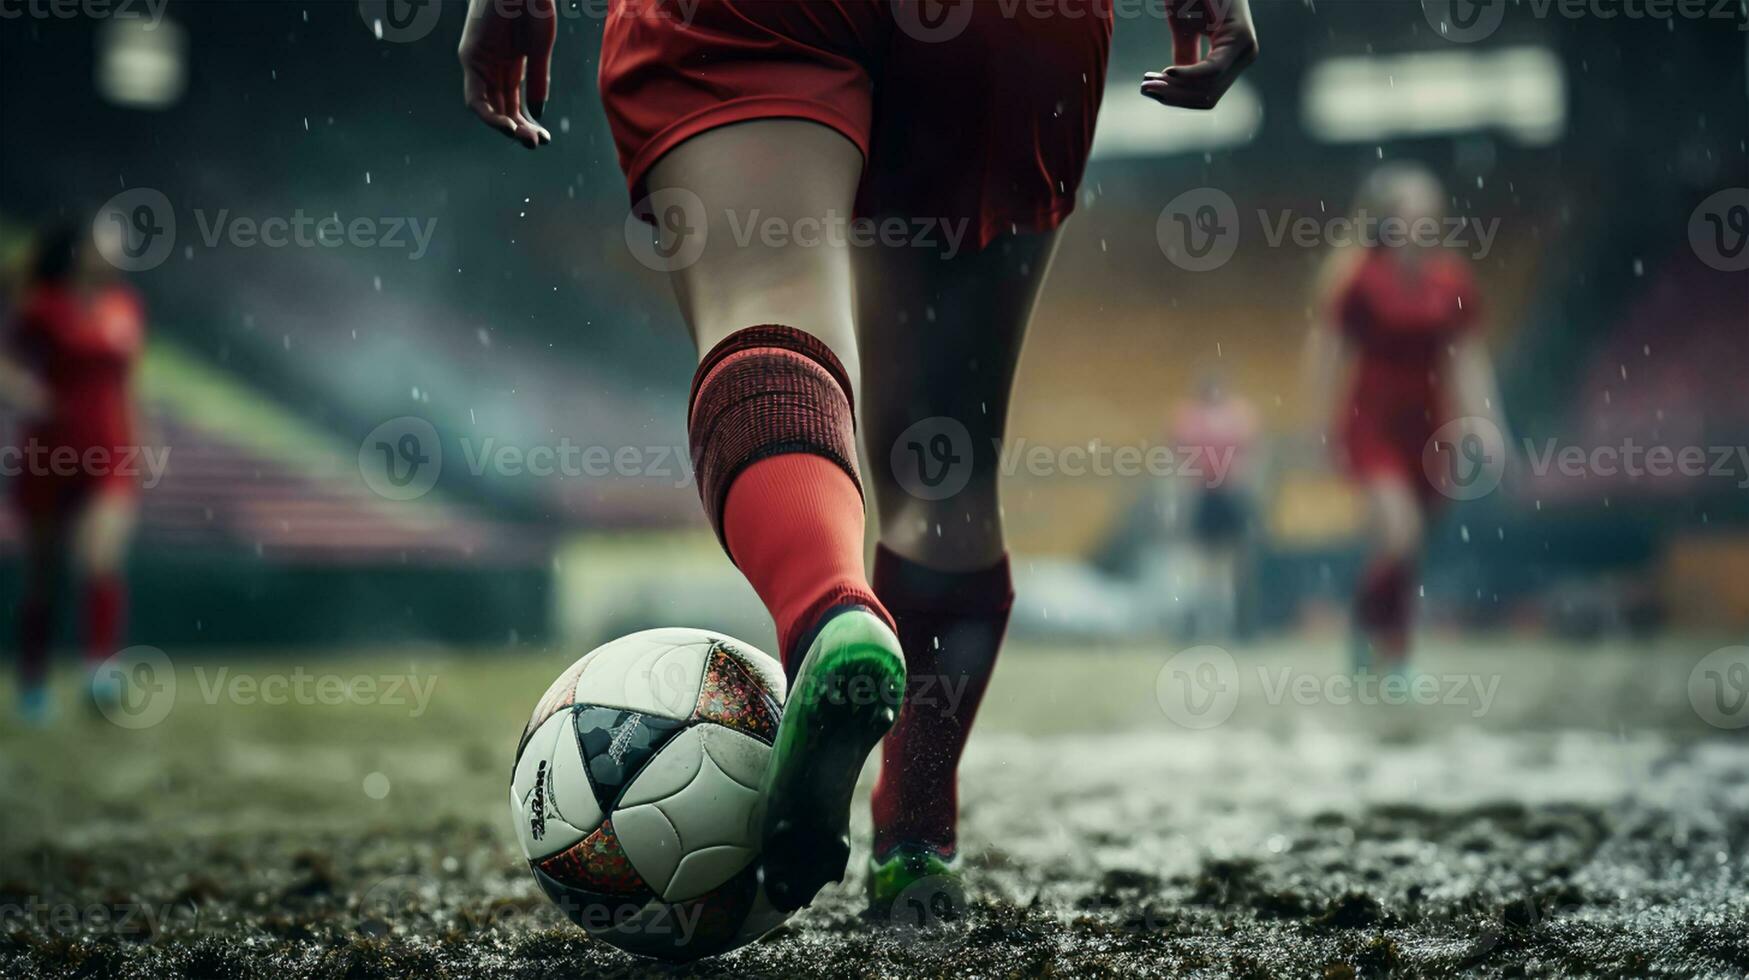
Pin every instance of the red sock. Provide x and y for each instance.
(36, 618)
(793, 524)
(1382, 606)
(951, 625)
(774, 445)
(106, 598)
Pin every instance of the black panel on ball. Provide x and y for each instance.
(616, 743)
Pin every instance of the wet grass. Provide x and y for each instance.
(368, 841)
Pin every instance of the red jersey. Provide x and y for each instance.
(83, 349)
(1401, 322)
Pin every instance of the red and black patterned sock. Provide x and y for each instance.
(774, 445)
(951, 625)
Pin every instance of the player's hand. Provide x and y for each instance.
(505, 40)
(1195, 80)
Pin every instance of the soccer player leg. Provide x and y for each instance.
(44, 550)
(1383, 608)
(101, 535)
(767, 293)
(940, 338)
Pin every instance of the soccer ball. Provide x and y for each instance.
(636, 786)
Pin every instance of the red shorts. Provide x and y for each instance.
(1389, 441)
(964, 110)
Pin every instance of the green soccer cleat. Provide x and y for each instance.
(915, 883)
(846, 695)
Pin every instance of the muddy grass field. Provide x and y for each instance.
(1549, 812)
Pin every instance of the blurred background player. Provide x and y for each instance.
(1401, 326)
(1215, 433)
(67, 369)
(811, 111)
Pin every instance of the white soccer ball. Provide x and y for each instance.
(635, 787)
